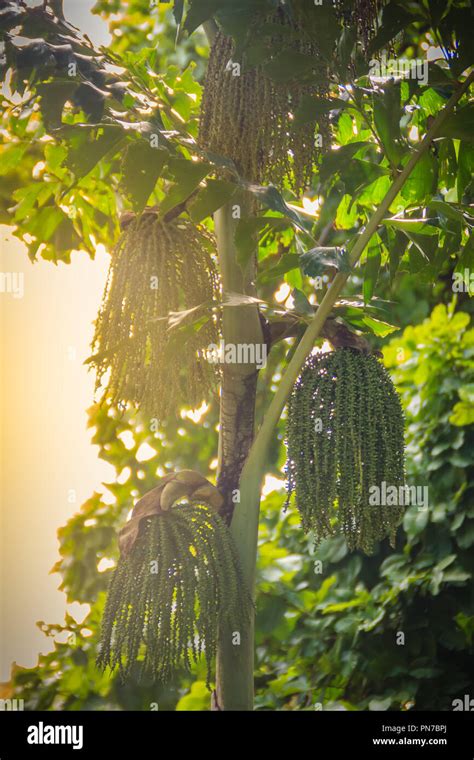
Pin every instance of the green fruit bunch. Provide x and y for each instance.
(156, 268)
(345, 436)
(171, 593)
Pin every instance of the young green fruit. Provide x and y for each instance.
(345, 435)
(171, 593)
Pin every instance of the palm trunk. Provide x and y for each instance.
(241, 325)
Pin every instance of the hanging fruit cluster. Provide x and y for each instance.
(157, 267)
(249, 117)
(177, 582)
(345, 435)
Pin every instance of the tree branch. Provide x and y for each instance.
(334, 330)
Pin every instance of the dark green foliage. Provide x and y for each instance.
(345, 436)
(157, 268)
(171, 593)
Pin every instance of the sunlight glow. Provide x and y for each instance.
(272, 484)
(145, 452)
(127, 439)
(282, 293)
(195, 414)
(105, 564)
(124, 475)
(311, 206)
(38, 169)
(78, 611)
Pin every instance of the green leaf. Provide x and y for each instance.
(415, 520)
(301, 303)
(188, 175)
(141, 168)
(82, 158)
(342, 606)
(178, 9)
(45, 222)
(387, 115)
(287, 263)
(465, 169)
(196, 699)
(347, 213)
(246, 235)
(459, 125)
(320, 23)
(448, 210)
(216, 193)
(373, 194)
(448, 163)
(337, 159)
(366, 323)
(311, 108)
(419, 226)
(371, 268)
(463, 414)
(466, 393)
(345, 46)
(235, 20)
(394, 20)
(332, 550)
(315, 261)
(421, 182)
(427, 245)
(53, 97)
(201, 11)
(439, 76)
(294, 278)
(272, 198)
(396, 248)
(466, 259)
(35, 194)
(379, 328)
(465, 537)
(10, 157)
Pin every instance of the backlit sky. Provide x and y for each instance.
(46, 459)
